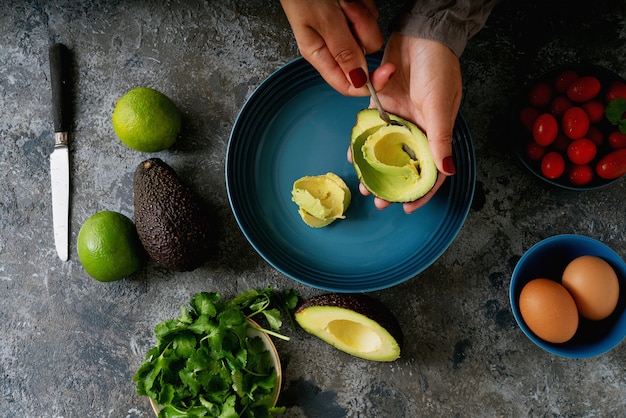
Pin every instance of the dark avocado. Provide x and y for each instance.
(354, 323)
(173, 224)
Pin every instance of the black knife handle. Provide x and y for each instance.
(59, 77)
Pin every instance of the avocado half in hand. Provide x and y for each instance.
(354, 323)
(392, 161)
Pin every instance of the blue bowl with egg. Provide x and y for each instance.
(549, 259)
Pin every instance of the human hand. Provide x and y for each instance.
(430, 72)
(332, 34)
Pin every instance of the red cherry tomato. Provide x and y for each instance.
(612, 165)
(575, 122)
(534, 151)
(583, 89)
(545, 129)
(617, 140)
(595, 110)
(564, 79)
(595, 135)
(616, 89)
(540, 94)
(559, 105)
(581, 151)
(580, 175)
(528, 116)
(552, 165)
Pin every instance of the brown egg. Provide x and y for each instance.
(594, 286)
(549, 310)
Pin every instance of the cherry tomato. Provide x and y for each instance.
(552, 165)
(581, 151)
(559, 105)
(612, 165)
(583, 89)
(528, 116)
(545, 129)
(595, 110)
(580, 175)
(534, 151)
(564, 79)
(595, 135)
(616, 89)
(575, 122)
(617, 140)
(540, 94)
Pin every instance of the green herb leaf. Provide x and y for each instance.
(615, 111)
(273, 318)
(204, 303)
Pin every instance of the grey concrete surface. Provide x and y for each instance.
(69, 345)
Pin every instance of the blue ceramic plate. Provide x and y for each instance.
(295, 125)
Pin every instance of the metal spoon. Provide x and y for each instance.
(382, 112)
(387, 119)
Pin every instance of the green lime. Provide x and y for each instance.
(108, 246)
(146, 120)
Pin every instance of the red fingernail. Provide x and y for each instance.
(358, 77)
(448, 165)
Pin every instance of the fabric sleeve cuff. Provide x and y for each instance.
(452, 26)
(426, 27)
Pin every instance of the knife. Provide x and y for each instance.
(59, 159)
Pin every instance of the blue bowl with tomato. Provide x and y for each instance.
(568, 124)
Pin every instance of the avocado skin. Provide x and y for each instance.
(361, 304)
(172, 222)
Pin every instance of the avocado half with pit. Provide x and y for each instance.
(392, 161)
(354, 323)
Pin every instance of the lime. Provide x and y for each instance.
(146, 120)
(108, 246)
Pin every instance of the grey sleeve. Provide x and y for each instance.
(452, 22)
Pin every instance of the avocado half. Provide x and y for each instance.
(354, 323)
(392, 161)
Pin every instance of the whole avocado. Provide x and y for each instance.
(172, 222)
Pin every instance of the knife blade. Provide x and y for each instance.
(59, 159)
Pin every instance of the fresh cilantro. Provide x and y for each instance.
(205, 365)
(615, 111)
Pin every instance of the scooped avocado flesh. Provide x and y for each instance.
(321, 199)
(393, 162)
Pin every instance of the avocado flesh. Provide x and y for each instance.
(354, 323)
(393, 162)
(172, 222)
(321, 199)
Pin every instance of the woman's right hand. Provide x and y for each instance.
(332, 36)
